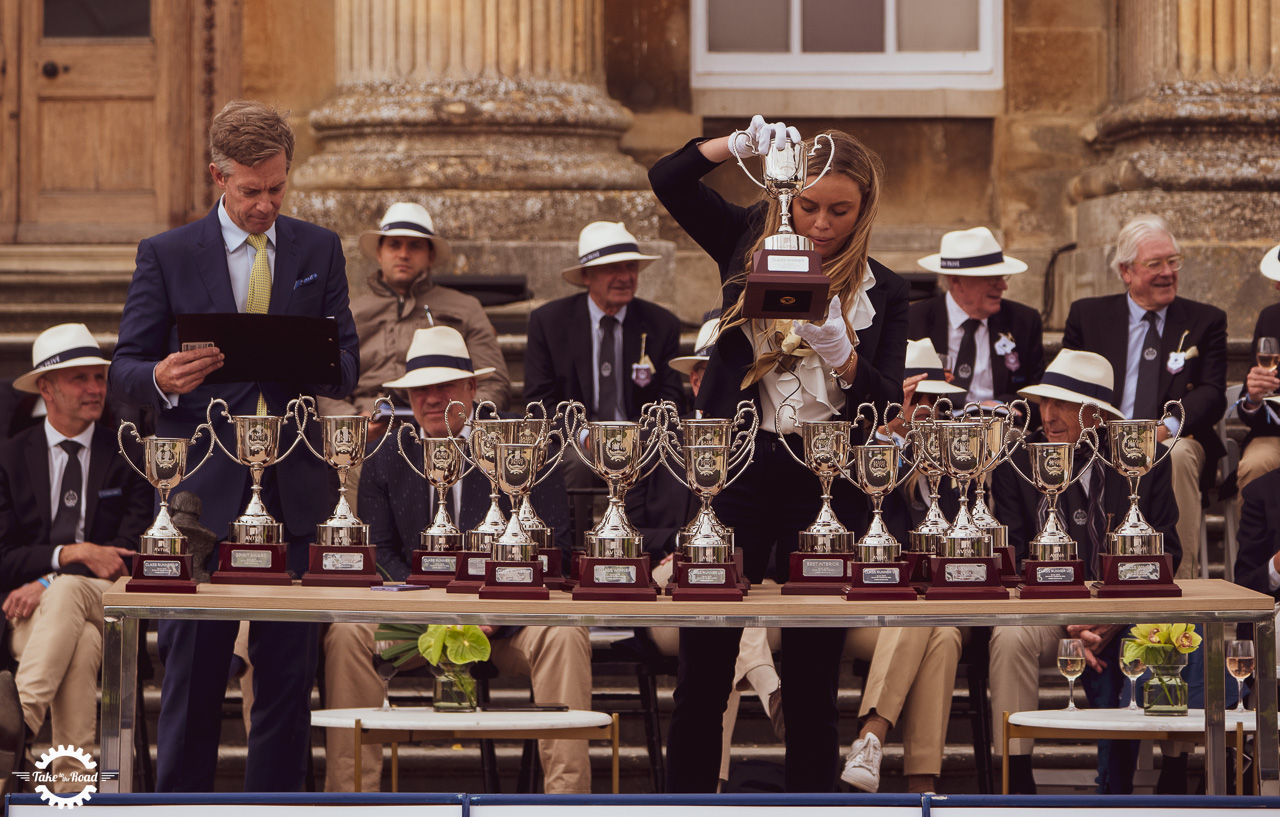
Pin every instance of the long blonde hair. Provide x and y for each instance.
(847, 267)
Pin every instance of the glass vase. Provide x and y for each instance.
(455, 689)
(1165, 693)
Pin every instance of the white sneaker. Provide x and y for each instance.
(862, 767)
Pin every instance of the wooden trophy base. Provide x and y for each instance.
(966, 577)
(242, 563)
(551, 570)
(432, 568)
(707, 582)
(613, 579)
(514, 580)
(786, 284)
(342, 566)
(1009, 575)
(161, 574)
(817, 574)
(1053, 580)
(1125, 577)
(880, 581)
(917, 568)
(469, 577)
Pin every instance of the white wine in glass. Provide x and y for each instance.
(1071, 665)
(1240, 665)
(1132, 670)
(1268, 353)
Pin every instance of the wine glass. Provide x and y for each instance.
(1268, 352)
(386, 670)
(1240, 665)
(1132, 670)
(1071, 665)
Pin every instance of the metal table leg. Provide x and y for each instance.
(119, 703)
(1215, 714)
(1266, 754)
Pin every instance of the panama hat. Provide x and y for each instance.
(406, 218)
(60, 347)
(1270, 265)
(923, 359)
(971, 252)
(605, 242)
(701, 348)
(438, 354)
(1077, 377)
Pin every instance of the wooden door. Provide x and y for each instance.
(101, 133)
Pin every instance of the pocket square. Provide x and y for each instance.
(107, 493)
(310, 279)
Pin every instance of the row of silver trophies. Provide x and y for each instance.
(515, 557)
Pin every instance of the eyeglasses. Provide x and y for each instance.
(1174, 263)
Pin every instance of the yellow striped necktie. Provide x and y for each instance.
(259, 300)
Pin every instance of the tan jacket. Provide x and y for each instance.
(386, 323)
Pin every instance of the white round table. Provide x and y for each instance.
(414, 723)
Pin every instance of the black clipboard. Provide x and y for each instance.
(265, 348)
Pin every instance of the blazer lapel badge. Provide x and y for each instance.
(642, 372)
(1007, 347)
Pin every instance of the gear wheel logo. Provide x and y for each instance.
(89, 776)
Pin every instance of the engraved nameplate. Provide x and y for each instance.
(251, 558)
(1055, 575)
(822, 567)
(1138, 571)
(965, 572)
(880, 575)
(513, 575)
(439, 564)
(542, 557)
(161, 570)
(475, 566)
(706, 575)
(614, 574)
(788, 263)
(342, 561)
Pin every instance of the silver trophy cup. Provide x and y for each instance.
(963, 451)
(443, 465)
(344, 439)
(1132, 449)
(827, 455)
(257, 447)
(165, 467)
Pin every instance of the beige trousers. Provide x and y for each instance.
(911, 679)
(557, 660)
(1187, 458)
(1017, 654)
(1260, 456)
(59, 652)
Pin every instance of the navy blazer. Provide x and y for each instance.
(726, 231)
(928, 319)
(184, 271)
(557, 362)
(1259, 422)
(1258, 538)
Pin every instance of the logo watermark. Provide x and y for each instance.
(44, 776)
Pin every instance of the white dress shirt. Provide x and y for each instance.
(597, 335)
(57, 467)
(982, 386)
(1138, 336)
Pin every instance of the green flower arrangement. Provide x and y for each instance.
(450, 648)
(1163, 648)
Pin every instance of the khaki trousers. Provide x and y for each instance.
(1017, 654)
(911, 679)
(59, 652)
(557, 660)
(1261, 455)
(1187, 458)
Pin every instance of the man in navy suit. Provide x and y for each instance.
(398, 504)
(241, 257)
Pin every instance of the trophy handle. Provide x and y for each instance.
(493, 410)
(1022, 406)
(669, 442)
(734, 150)
(208, 453)
(306, 405)
(782, 438)
(938, 410)
(400, 444)
(875, 414)
(391, 423)
(1182, 422)
(831, 154)
(575, 422)
(653, 417)
(290, 410)
(120, 445)
(743, 444)
(208, 419)
(1091, 433)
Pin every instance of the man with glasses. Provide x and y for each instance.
(1162, 348)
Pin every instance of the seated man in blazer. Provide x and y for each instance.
(1073, 379)
(1161, 347)
(397, 504)
(71, 512)
(1261, 451)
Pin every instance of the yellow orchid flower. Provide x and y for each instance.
(1184, 637)
(1153, 634)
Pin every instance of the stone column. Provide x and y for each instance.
(1191, 135)
(492, 114)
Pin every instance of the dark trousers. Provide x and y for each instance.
(767, 507)
(197, 658)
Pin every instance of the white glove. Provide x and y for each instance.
(760, 136)
(831, 340)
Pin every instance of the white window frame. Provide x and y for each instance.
(892, 70)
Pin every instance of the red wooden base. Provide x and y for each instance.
(966, 578)
(342, 566)
(614, 579)
(242, 563)
(880, 581)
(161, 574)
(469, 577)
(707, 582)
(1126, 577)
(432, 568)
(514, 580)
(1053, 580)
(1009, 575)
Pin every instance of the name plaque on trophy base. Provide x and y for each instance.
(786, 284)
(342, 566)
(817, 574)
(1137, 577)
(880, 581)
(513, 580)
(251, 563)
(551, 570)
(1053, 580)
(603, 578)
(432, 568)
(161, 574)
(469, 576)
(707, 582)
(966, 577)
